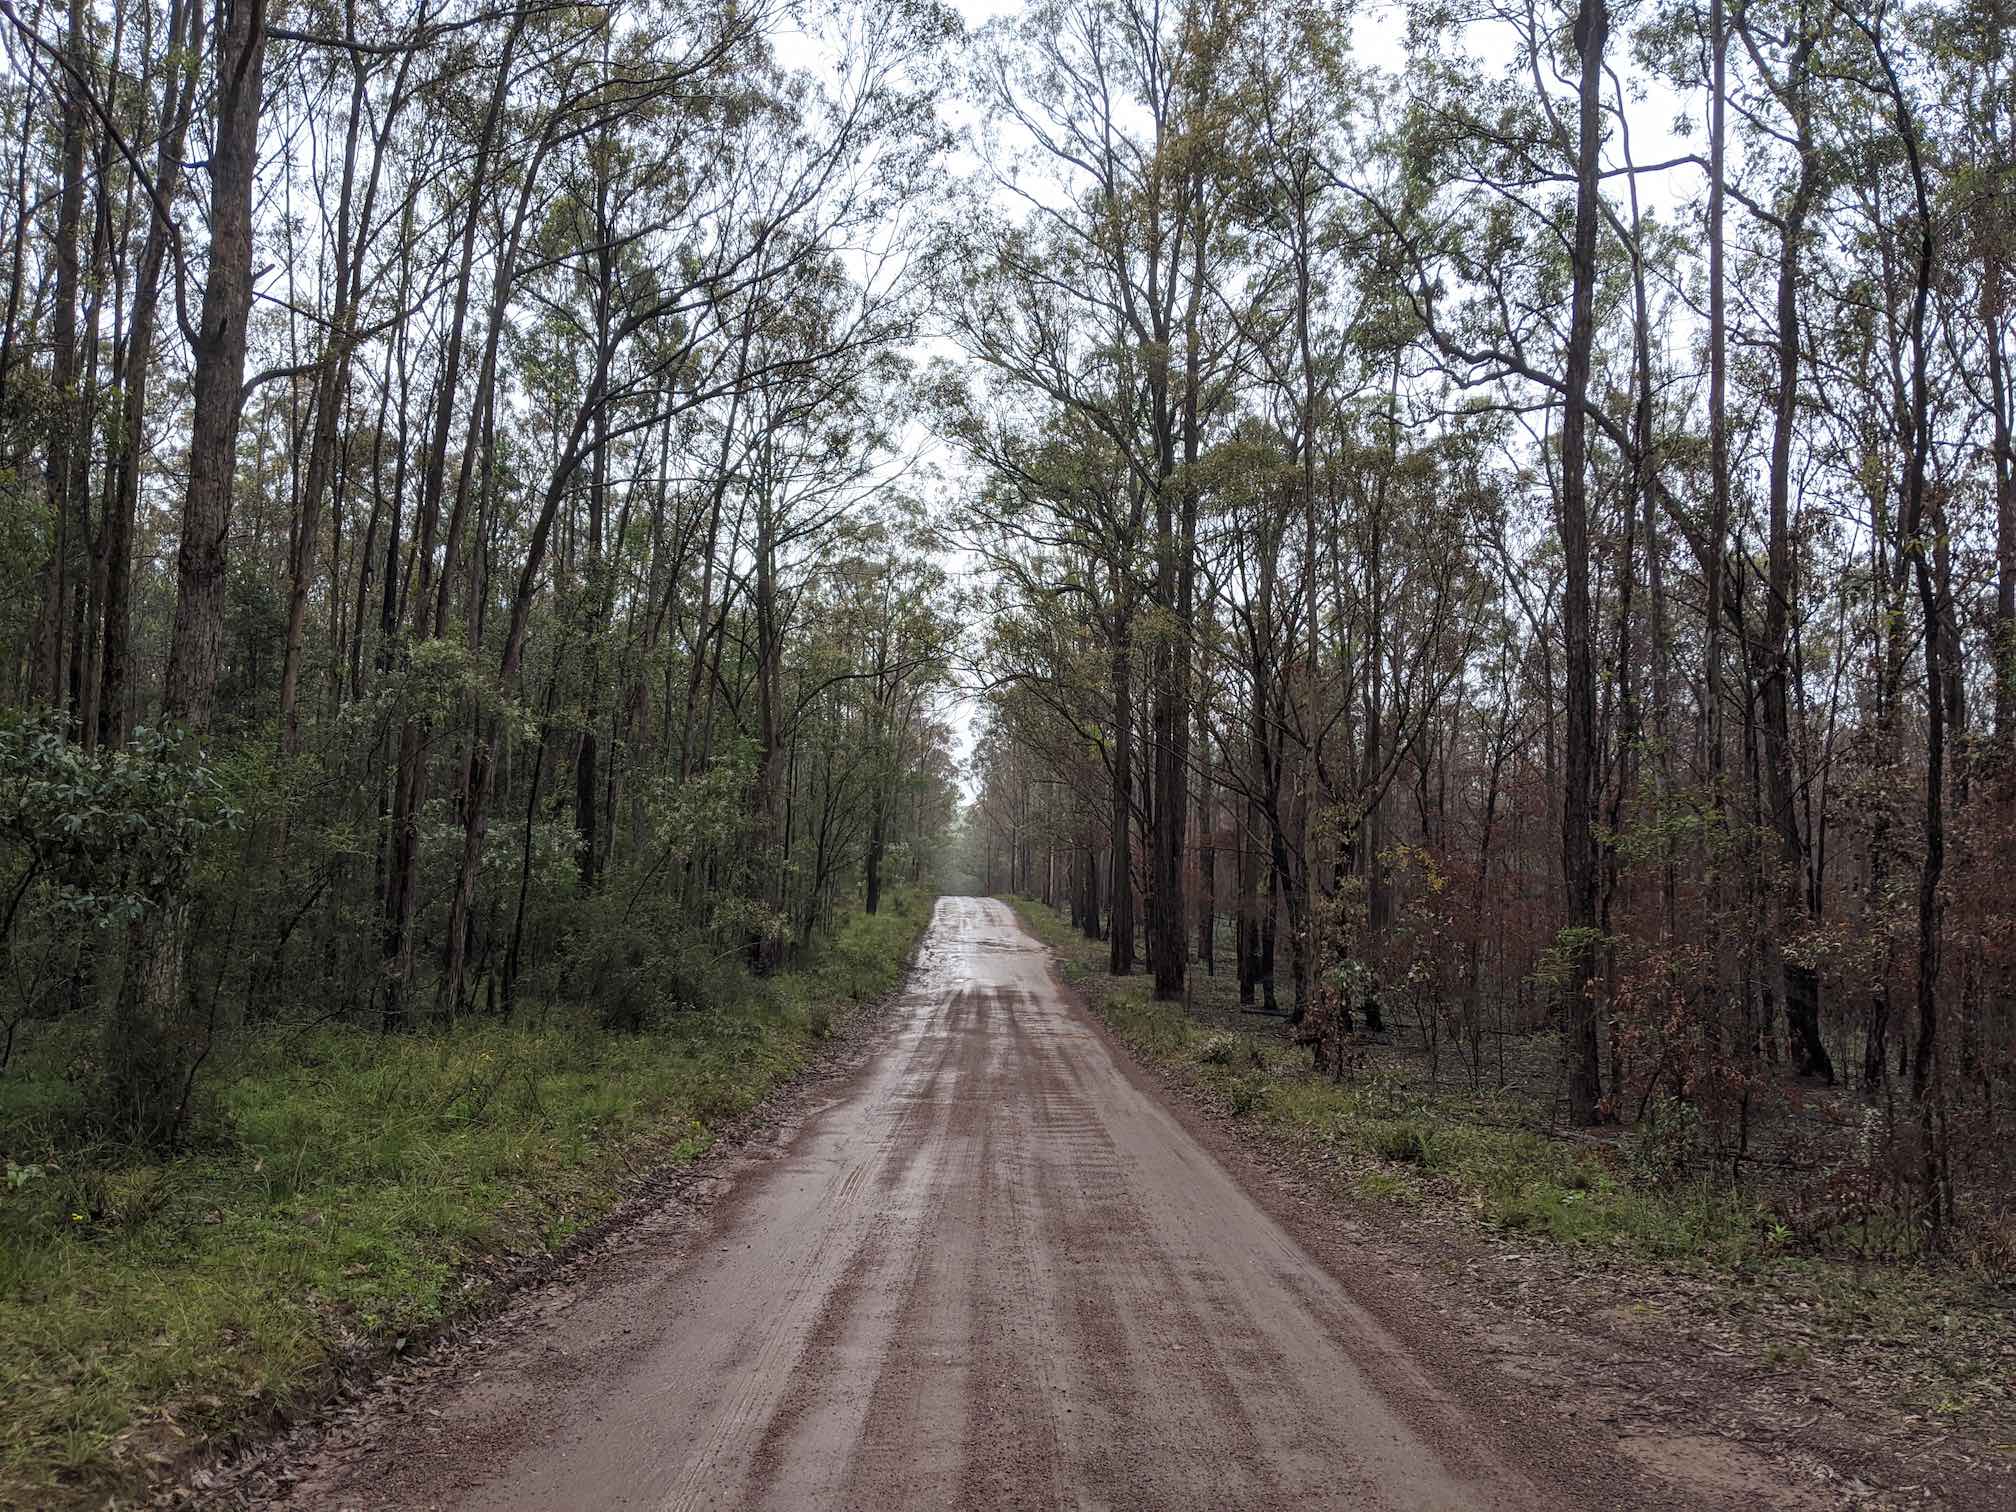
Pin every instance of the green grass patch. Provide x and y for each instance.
(354, 1192)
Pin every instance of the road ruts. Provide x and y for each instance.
(998, 1272)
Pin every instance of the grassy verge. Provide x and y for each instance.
(358, 1191)
(1688, 1255)
(1402, 1143)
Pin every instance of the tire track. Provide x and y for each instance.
(996, 1274)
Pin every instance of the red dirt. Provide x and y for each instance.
(996, 1270)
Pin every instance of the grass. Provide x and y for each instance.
(356, 1191)
(1401, 1142)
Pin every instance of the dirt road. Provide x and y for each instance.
(994, 1270)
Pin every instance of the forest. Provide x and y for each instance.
(535, 537)
(458, 538)
(474, 660)
(1524, 538)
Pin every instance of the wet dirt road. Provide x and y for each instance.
(996, 1271)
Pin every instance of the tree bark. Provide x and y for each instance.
(153, 1050)
(217, 393)
(1120, 884)
(67, 425)
(1578, 854)
(1800, 982)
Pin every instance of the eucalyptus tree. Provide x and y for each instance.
(1781, 108)
(908, 631)
(1654, 498)
(1518, 180)
(1977, 105)
(1882, 77)
(465, 418)
(748, 189)
(1296, 94)
(379, 91)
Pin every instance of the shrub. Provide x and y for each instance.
(1406, 1143)
(1219, 1049)
(1659, 1148)
(1248, 1094)
(97, 850)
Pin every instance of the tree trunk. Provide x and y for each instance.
(67, 425)
(217, 393)
(1120, 884)
(1207, 857)
(2003, 669)
(155, 1050)
(1578, 854)
(1800, 983)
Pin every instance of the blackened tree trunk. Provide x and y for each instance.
(1120, 885)
(1939, 655)
(1578, 851)
(1088, 860)
(1801, 983)
(1207, 855)
(1994, 308)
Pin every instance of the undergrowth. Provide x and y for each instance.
(1401, 1144)
(351, 1192)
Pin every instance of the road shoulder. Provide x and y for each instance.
(1560, 1342)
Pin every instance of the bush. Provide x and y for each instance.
(1219, 1050)
(97, 851)
(1407, 1143)
(352, 1189)
(639, 971)
(1247, 1094)
(1659, 1148)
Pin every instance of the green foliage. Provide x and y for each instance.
(1247, 1094)
(1519, 1179)
(1407, 1143)
(1556, 967)
(1218, 1050)
(1673, 826)
(96, 852)
(353, 1190)
(1659, 1149)
(867, 954)
(112, 834)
